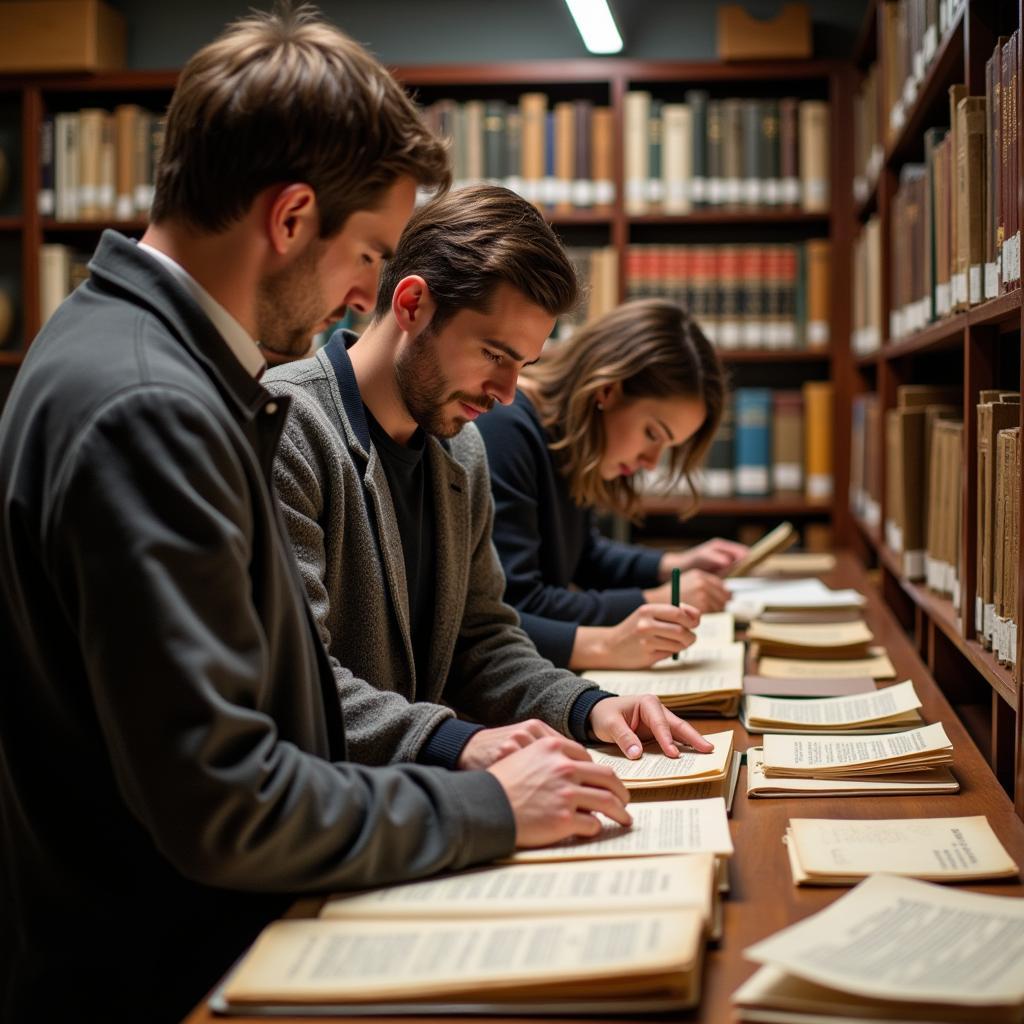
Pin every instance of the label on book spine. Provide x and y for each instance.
(44, 202)
(953, 581)
(1012, 651)
(718, 483)
(975, 294)
(989, 623)
(979, 615)
(604, 192)
(893, 535)
(913, 564)
(580, 193)
(752, 191)
(817, 333)
(931, 43)
(698, 190)
(819, 486)
(788, 476)
(791, 191)
(991, 280)
(752, 480)
(942, 298)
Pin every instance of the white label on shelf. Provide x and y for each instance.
(860, 188)
(816, 192)
(514, 183)
(529, 189)
(604, 192)
(819, 486)
(732, 190)
(894, 324)
(729, 333)
(959, 288)
(975, 294)
(929, 572)
(979, 614)
(989, 623)
(752, 480)
(913, 565)
(124, 208)
(1016, 256)
(991, 281)
(788, 476)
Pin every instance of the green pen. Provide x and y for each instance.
(676, 573)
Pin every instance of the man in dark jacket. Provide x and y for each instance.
(171, 743)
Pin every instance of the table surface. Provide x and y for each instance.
(763, 898)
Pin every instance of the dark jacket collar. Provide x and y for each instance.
(119, 264)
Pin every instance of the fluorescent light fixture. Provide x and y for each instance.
(596, 25)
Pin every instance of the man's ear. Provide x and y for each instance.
(293, 218)
(412, 305)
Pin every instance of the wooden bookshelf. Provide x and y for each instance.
(981, 346)
(771, 507)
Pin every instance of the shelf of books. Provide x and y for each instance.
(935, 478)
(717, 185)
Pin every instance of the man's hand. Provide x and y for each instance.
(628, 721)
(646, 635)
(556, 791)
(715, 556)
(703, 590)
(490, 745)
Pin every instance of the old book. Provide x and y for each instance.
(126, 118)
(754, 597)
(655, 770)
(819, 270)
(843, 851)
(90, 122)
(894, 949)
(931, 782)
(659, 827)
(773, 543)
(677, 156)
(971, 118)
(697, 789)
(813, 640)
(767, 687)
(533, 108)
(637, 113)
(877, 665)
(814, 156)
(958, 270)
(474, 111)
(787, 434)
(705, 679)
(839, 757)
(886, 710)
(313, 965)
(798, 563)
(495, 147)
(818, 435)
(603, 157)
(565, 155)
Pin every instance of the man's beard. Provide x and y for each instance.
(423, 388)
(289, 305)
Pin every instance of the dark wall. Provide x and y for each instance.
(162, 35)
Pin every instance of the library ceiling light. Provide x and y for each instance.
(596, 25)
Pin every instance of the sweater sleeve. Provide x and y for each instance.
(610, 563)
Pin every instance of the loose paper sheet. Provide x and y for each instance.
(829, 634)
(908, 941)
(700, 669)
(832, 711)
(655, 765)
(877, 666)
(690, 826)
(837, 752)
(563, 887)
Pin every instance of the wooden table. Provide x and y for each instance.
(763, 898)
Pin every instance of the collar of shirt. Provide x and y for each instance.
(245, 349)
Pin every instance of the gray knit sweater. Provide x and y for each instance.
(341, 520)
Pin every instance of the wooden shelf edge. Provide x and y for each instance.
(12, 223)
(655, 504)
(945, 333)
(753, 217)
(1001, 309)
(950, 51)
(11, 357)
(868, 358)
(871, 533)
(863, 210)
(940, 610)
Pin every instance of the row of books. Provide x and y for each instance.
(62, 268)
(868, 146)
(752, 153)
(955, 236)
(773, 442)
(98, 165)
(911, 31)
(744, 296)
(866, 298)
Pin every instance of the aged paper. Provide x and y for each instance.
(877, 665)
(655, 766)
(879, 706)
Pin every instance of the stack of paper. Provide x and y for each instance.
(841, 757)
(706, 679)
(797, 563)
(876, 665)
(655, 770)
(826, 851)
(895, 949)
(811, 640)
(880, 711)
(809, 598)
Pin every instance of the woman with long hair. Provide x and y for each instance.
(639, 386)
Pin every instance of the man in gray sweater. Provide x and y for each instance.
(387, 500)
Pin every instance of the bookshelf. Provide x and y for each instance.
(972, 350)
(603, 82)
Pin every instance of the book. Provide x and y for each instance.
(754, 597)
(773, 543)
(753, 409)
(551, 961)
(787, 433)
(812, 640)
(843, 851)
(818, 439)
(814, 155)
(797, 563)
(894, 949)
(696, 789)
(655, 770)
(933, 781)
(659, 827)
(878, 711)
(827, 757)
(704, 679)
(877, 665)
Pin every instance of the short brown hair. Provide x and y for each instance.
(285, 97)
(473, 239)
(653, 349)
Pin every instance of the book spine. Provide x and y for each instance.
(533, 111)
(582, 186)
(715, 182)
(46, 197)
(813, 156)
(637, 150)
(603, 157)
(788, 152)
(513, 156)
(818, 440)
(565, 155)
(697, 101)
(753, 441)
(753, 175)
(718, 476)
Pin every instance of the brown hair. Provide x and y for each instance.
(285, 97)
(469, 241)
(653, 349)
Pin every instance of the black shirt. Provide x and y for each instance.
(408, 472)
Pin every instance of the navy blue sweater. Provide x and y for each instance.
(546, 542)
